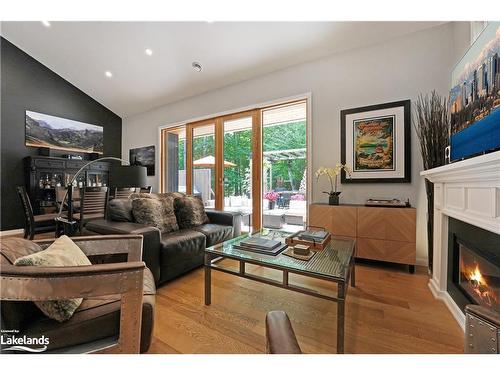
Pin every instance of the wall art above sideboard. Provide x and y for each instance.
(376, 143)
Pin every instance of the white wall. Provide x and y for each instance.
(396, 70)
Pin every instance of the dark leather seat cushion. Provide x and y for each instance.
(181, 251)
(215, 233)
(95, 319)
(115, 227)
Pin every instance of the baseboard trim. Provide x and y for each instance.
(421, 262)
(11, 232)
(448, 301)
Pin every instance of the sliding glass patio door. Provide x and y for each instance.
(221, 164)
(253, 163)
(284, 167)
(201, 165)
(240, 168)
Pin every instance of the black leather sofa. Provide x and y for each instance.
(169, 255)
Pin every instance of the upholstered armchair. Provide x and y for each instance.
(117, 312)
(280, 337)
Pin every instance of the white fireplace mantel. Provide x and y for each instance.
(469, 191)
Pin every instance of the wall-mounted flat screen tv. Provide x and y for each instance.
(475, 97)
(62, 134)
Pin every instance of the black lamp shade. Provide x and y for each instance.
(125, 176)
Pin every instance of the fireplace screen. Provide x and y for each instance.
(479, 278)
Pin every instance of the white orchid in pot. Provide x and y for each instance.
(333, 174)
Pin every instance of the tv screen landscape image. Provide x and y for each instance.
(475, 97)
(62, 134)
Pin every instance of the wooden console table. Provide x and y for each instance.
(382, 233)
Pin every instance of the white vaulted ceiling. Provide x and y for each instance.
(81, 52)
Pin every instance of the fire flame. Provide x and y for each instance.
(480, 286)
(476, 276)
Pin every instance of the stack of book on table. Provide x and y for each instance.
(313, 235)
(261, 245)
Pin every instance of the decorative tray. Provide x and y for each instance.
(293, 240)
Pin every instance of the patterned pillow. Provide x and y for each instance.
(62, 253)
(157, 213)
(190, 211)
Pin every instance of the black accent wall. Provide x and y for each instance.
(26, 84)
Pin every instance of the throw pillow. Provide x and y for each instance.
(120, 210)
(158, 213)
(190, 212)
(62, 253)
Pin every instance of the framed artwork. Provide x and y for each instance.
(144, 156)
(42, 130)
(376, 143)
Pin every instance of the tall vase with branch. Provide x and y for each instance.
(333, 174)
(432, 124)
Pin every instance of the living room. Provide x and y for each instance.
(251, 186)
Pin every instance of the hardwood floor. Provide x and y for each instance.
(389, 311)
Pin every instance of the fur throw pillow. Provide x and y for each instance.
(157, 213)
(190, 212)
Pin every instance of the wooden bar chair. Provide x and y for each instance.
(34, 224)
(61, 192)
(124, 193)
(92, 205)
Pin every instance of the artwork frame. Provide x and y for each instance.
(376, 143)
(58, 133)
(144, 156)
(475, 97)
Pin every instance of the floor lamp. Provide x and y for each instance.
(120, 176)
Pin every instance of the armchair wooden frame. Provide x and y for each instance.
(97, 281)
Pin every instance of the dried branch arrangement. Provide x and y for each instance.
(432, 124)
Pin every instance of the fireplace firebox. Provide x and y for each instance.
(473, 265)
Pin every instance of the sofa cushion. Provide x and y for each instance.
(63, 252)
(215, 233)
(190, 212)
(95, 319)
(158, 213)
(120, 209)
(181, 251)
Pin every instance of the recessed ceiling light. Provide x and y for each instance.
(148, 51)
(46, 23)
(197, 66)
(108, 74)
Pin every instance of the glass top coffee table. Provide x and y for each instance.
(335, 263)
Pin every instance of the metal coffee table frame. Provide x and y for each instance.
(213, 256)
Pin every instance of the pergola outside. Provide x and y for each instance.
(283, 155)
